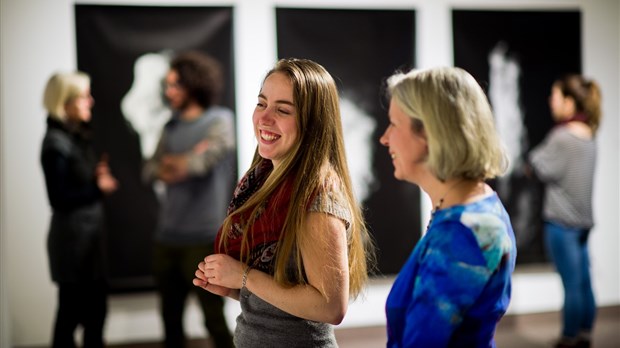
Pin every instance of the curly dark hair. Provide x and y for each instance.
(201, 76)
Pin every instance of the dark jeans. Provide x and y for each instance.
(80, 304)
(174, 270)
(568, 248)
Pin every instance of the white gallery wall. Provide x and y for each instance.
(38, 38)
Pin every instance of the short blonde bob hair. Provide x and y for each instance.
(61, 88)
(448, 105)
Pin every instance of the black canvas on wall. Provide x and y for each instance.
(115, 44)
(516, 56)
(360, 48)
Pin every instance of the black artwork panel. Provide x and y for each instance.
(109, 41)
(360, 48)
(542, 45)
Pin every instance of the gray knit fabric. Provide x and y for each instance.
(262, 325)
(565, 163)
(193, 209)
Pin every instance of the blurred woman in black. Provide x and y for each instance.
(76, 181)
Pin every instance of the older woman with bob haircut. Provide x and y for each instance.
(455, 286)
(294, 246)
(76, 181)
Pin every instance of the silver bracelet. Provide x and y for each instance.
(244, 279)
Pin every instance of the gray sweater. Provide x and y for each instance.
(192, 210)
(565, 163)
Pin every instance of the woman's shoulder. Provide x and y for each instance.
(570, 133)
(486, 220)
(492, 230)
(486, 214)
(57, 139)
(330, 196)
(330, 179)
(579, 130)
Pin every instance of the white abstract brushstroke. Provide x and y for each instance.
(504, 95)
(358, 128)
(143, 105)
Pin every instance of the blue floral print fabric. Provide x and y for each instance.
(456, 284)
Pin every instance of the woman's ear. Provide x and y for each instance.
(570, 107)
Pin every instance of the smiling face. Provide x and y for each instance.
(275, 118)
(407, 148)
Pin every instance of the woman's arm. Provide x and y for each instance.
(548, 159)
(324, 251)
(63, 192)
(451, 276)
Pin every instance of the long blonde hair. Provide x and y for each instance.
(319, 146)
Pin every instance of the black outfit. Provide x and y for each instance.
(74, 240)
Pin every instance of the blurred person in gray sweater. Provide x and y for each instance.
(195, 160)
(565, 163)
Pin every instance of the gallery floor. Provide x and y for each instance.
(515, 331)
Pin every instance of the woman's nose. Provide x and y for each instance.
(265, 116)
(384, 138)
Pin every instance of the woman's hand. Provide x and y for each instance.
(219, 274)
(324, 297)
(105, 180)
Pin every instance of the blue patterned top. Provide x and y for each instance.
(455, 286)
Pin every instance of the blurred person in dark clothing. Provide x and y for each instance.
(76, 182)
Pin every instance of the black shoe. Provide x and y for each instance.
(583, 343)
(567, 342)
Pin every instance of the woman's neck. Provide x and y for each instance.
(457, 191)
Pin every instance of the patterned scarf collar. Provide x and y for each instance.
(578, 117)
(267, 228)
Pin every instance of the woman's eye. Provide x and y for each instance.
(284, 111)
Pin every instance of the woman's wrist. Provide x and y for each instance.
(244, 277)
